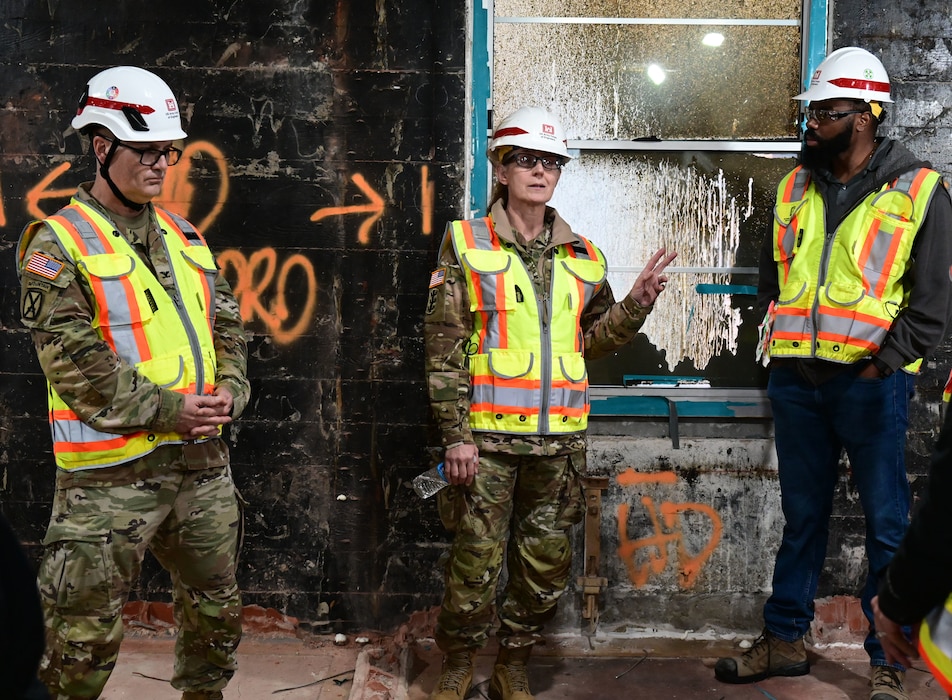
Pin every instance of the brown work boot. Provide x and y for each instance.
(456, 677)
(886, 684)
(510, 680)
(202, 695)
(768, 656)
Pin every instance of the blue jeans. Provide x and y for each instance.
(867, 417)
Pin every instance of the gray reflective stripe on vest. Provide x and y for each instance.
(487, 283)
(875, 268)
(526, 398)
(852, 329)
(192, 235)
(77, 432)
(797, 193)
(501, 396)
(570, 398)
(85, 230)
(121, 323)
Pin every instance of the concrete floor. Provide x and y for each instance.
(667, 669)
(287, 668)
(267, 668)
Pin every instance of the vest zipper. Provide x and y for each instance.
(193, 341)
(545, 343)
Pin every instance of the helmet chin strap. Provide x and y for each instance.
(104, 171)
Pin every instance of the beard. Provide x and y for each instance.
(822, 155)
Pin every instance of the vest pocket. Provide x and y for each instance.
(572, 367)
(589, 271)
(504, 385)
(791, 292)
(200, 258)
(844, 295)
(166, 371)
(511, 364)
(491, 267)
(785, 211)
(113, 274)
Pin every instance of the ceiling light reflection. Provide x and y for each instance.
(656, 74)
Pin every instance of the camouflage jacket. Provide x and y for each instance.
(105, 391)
(448, 324)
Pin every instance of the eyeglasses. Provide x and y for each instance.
(528, 161)
(150, 156)
(829, 115)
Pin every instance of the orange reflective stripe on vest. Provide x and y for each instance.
(935, 643)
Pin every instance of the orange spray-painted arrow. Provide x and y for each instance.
(375, 207)
(39, 191)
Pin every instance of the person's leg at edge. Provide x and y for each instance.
(198, 545)
(549, 500)
(808, 453)
(874, 432)
(479, 516)
(94, 548)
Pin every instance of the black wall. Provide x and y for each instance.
(292, 108)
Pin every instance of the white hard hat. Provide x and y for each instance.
(530, 127)
(134, 104)
(849, 73)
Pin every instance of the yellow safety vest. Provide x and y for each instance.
(839, 295)
(935, 643)
(168, 341)
(526, 365)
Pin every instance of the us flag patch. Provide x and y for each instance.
(438, 277)
(44, 266)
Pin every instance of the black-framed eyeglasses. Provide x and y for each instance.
(528, 161)
(150, 156)
(830, 115)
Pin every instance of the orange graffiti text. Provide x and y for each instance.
(178, 193)
(427, 193)
(262, 291)
(648, 556)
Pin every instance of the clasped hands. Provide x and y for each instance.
(203, 416)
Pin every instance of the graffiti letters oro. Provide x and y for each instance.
(685, 534)
(277, 290)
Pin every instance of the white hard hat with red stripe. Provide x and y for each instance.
(534, 128)
(134, 104)
(849, 73)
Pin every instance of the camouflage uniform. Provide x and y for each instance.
(179, 501)
(528, 489)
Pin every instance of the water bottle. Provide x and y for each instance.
(430, 482)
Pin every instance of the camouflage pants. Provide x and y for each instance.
(95, 544)
(529, 503)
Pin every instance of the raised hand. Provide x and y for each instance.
(651, 282)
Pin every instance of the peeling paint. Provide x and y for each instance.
(679, 208)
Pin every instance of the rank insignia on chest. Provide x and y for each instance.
(44, 266)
